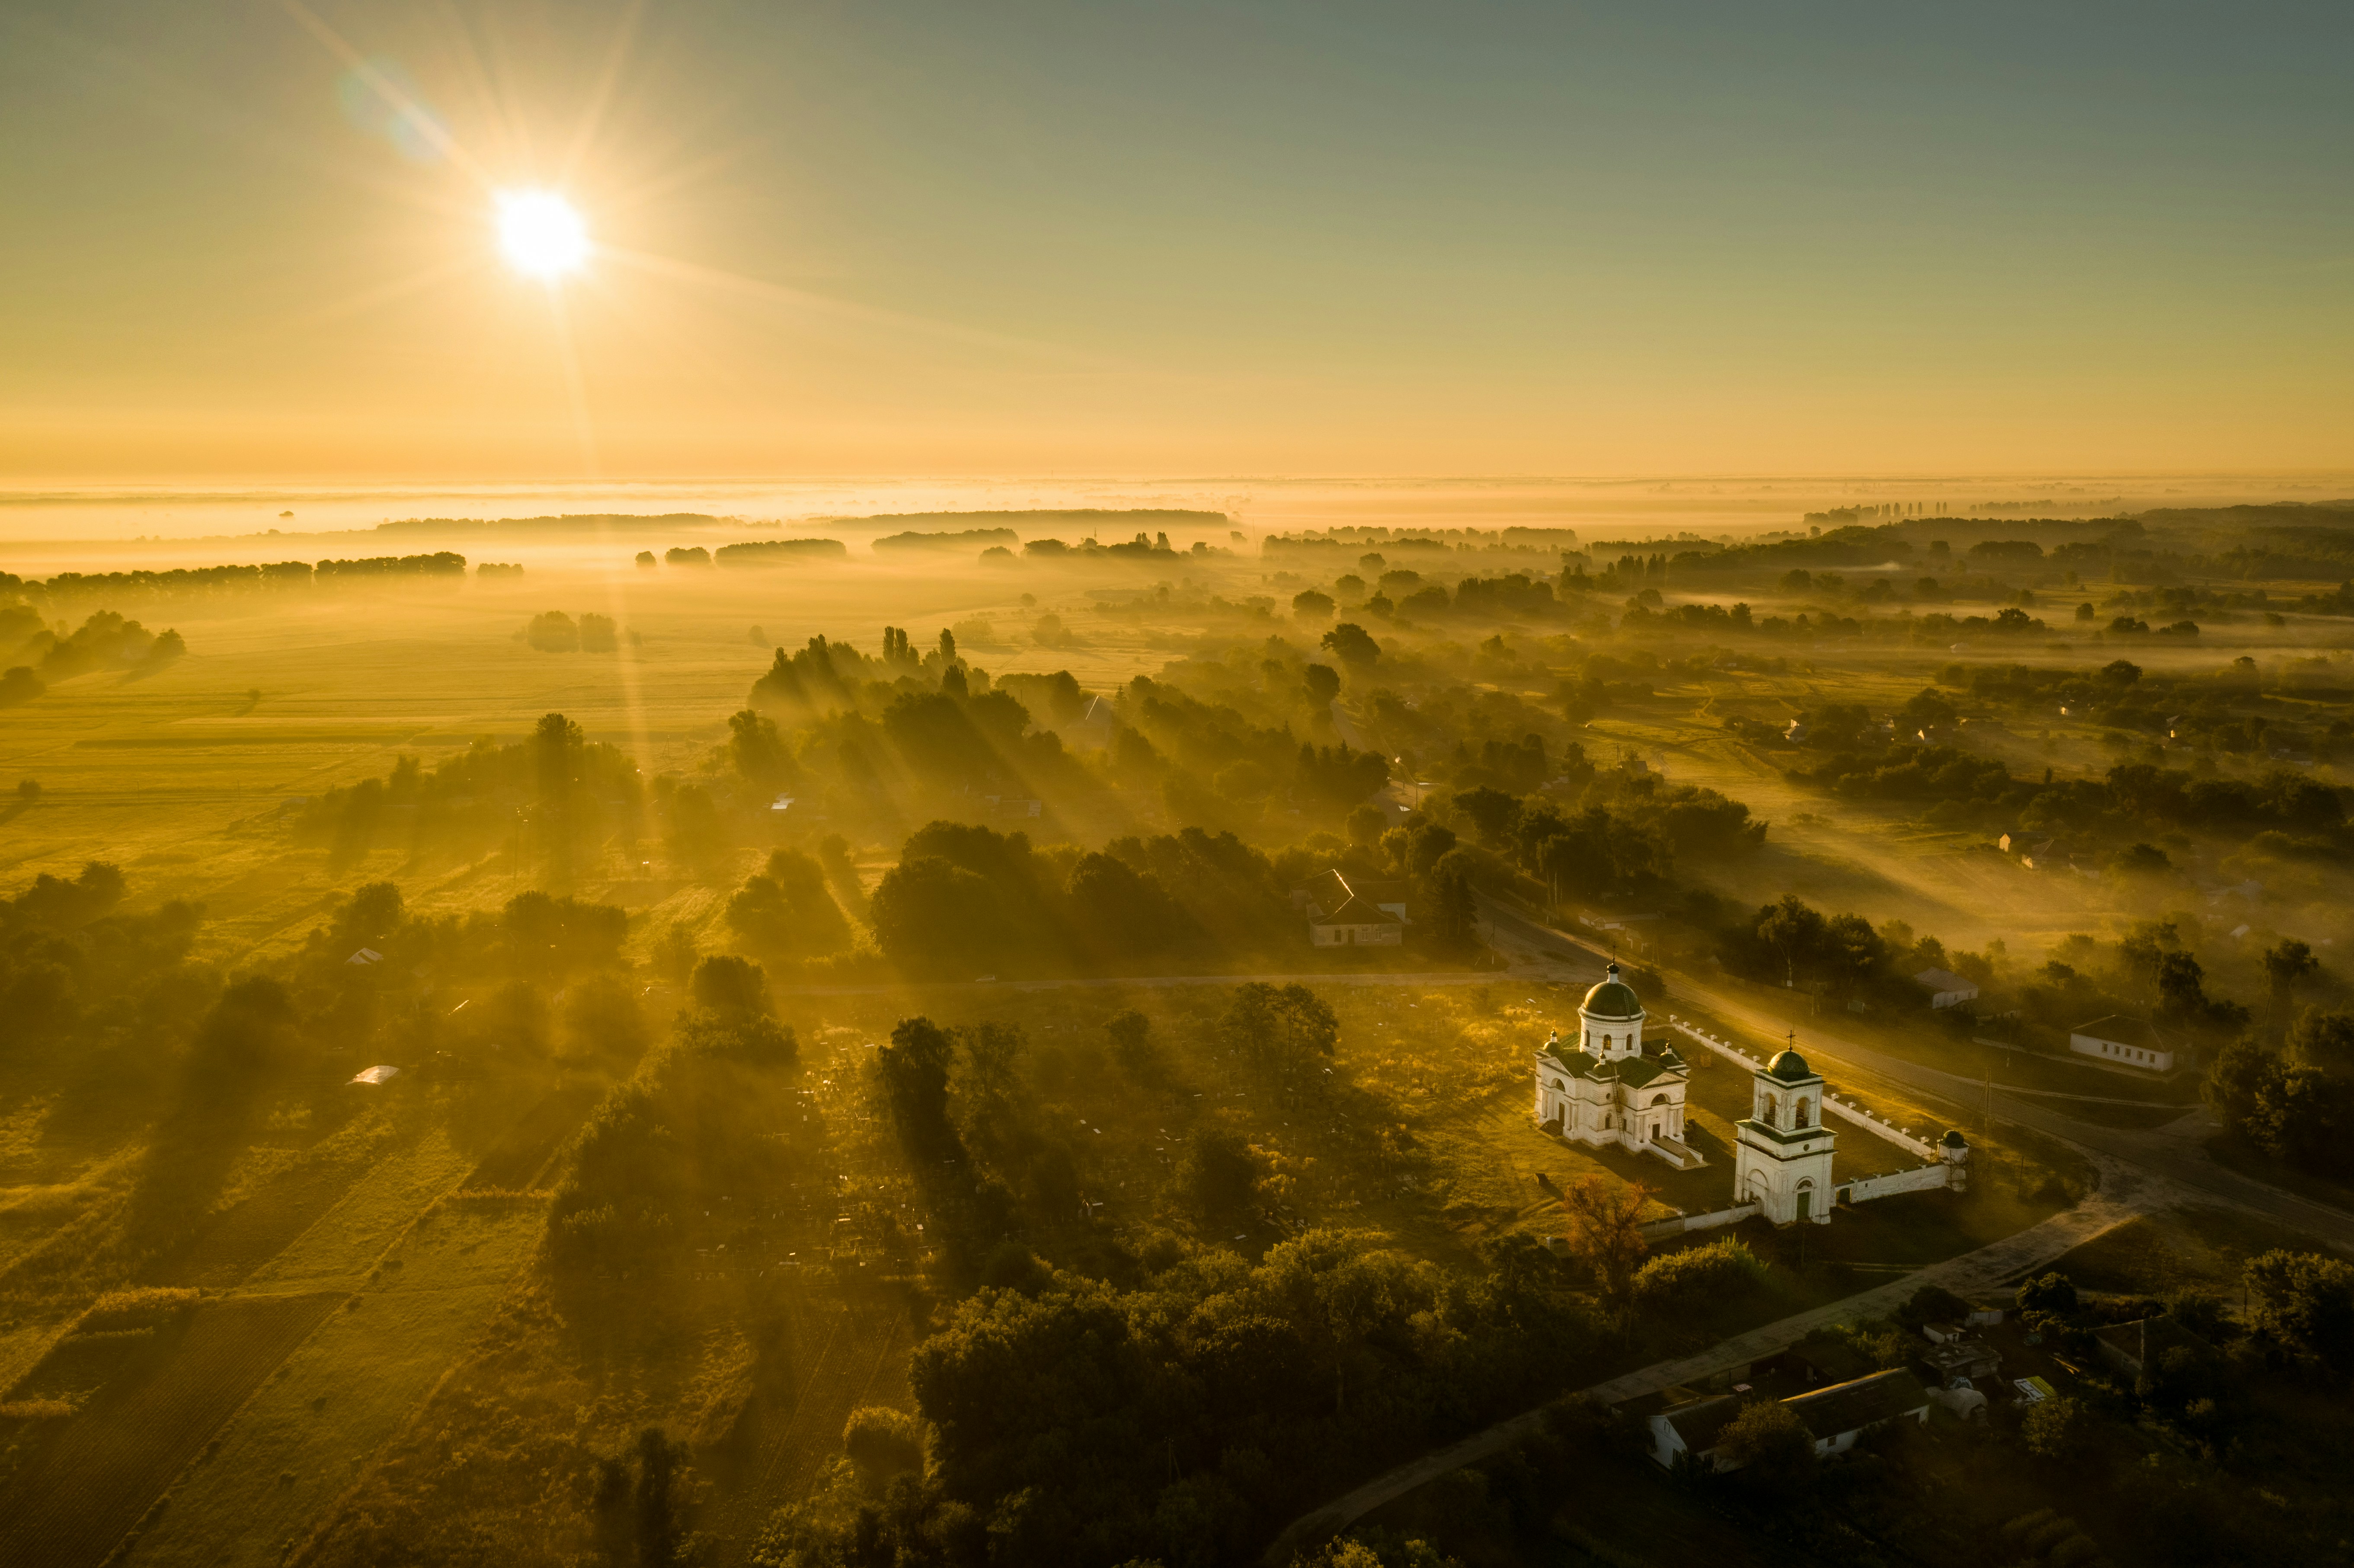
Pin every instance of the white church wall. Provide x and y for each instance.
(1677, 1224)
(1876, 1126)
(1863, 1189)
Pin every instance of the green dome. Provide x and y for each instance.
(1612, 998)
(1790, 1067)
(1954, 1139)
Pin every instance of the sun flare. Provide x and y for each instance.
(542, 234)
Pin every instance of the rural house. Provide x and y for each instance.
(2130, 1042)
(1835, 1416)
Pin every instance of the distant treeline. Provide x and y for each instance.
(35, 655)
(777, 552)
(571, 523)
(218, 580)
(1089, 517)
(969, 538)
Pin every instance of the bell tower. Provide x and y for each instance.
(1783, 1160)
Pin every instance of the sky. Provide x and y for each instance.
(257, 240)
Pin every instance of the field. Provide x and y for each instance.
(327, 1410)
(387, 1363)
(72, 1504)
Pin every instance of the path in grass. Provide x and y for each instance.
(72, 1505)
(1972, 1271)
(345, 1391)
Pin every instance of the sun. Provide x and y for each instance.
(542, 234)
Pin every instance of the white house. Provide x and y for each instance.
(2130, 1041)
(1356, 923)
(1604, 1087)
(1836, 1416)
(1783, 1157)
(1946, 988)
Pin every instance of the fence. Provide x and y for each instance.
(1863, 1189)
(1677, 1224)
(1878, 1126)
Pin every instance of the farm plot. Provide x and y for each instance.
(117, 1456)
(337, 1251)
(344, 1393)
(524, 1149)
(843, 1355)
(241, 1239)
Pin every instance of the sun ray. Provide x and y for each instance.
(416, 282)
(424, 123)
(826, 306)
(600, 96)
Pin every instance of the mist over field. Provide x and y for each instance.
(613, 1035)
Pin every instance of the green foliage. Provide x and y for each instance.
(2301, 1308)
(2057, 1430)
(1219, 1174)
(1054, 1412)
(1698, 1279)
(882, 1442)
(1771, 1447)
(787, 911)
(2053, 1292)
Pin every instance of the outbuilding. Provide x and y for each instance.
(2128, 1042)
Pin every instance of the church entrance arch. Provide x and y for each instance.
(1806, 1201)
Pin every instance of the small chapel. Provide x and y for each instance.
(1606, 1086)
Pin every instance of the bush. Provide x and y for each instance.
(883, 1442)
(1698, 1277)
(2054, 1293)
(138, 1308)
(2054, 1430)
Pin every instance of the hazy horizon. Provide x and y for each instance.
(1516, 239)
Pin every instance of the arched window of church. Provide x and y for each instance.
(1801, 1121)
(1606, 1042)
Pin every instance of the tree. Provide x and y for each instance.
(1131, 1044)
(2286, 963)
(935, 917)
(20, 684)
(1606, 1230)
(787, 911)
(1454, 906)
(2055, 1292)
(1492, 812)
(2323, 1040)
(1793, 930)
(2301, 1305)
(1284, 1028)
(727, 984)
(1769, 1442)
(1323, 682)
(1310, 605)
(662, 1477)
(1351, 643)
(553, 632)
(755, 750)
(915, 1073)
(675, 954)
(1219, 1173)
(2056, 1430)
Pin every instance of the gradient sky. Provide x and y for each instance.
(970, 238)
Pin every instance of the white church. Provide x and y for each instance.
(1605, 1088)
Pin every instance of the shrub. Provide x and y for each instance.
(145, 1307)
(2054, 1292)
(883, 1441)
(1699, 1276)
